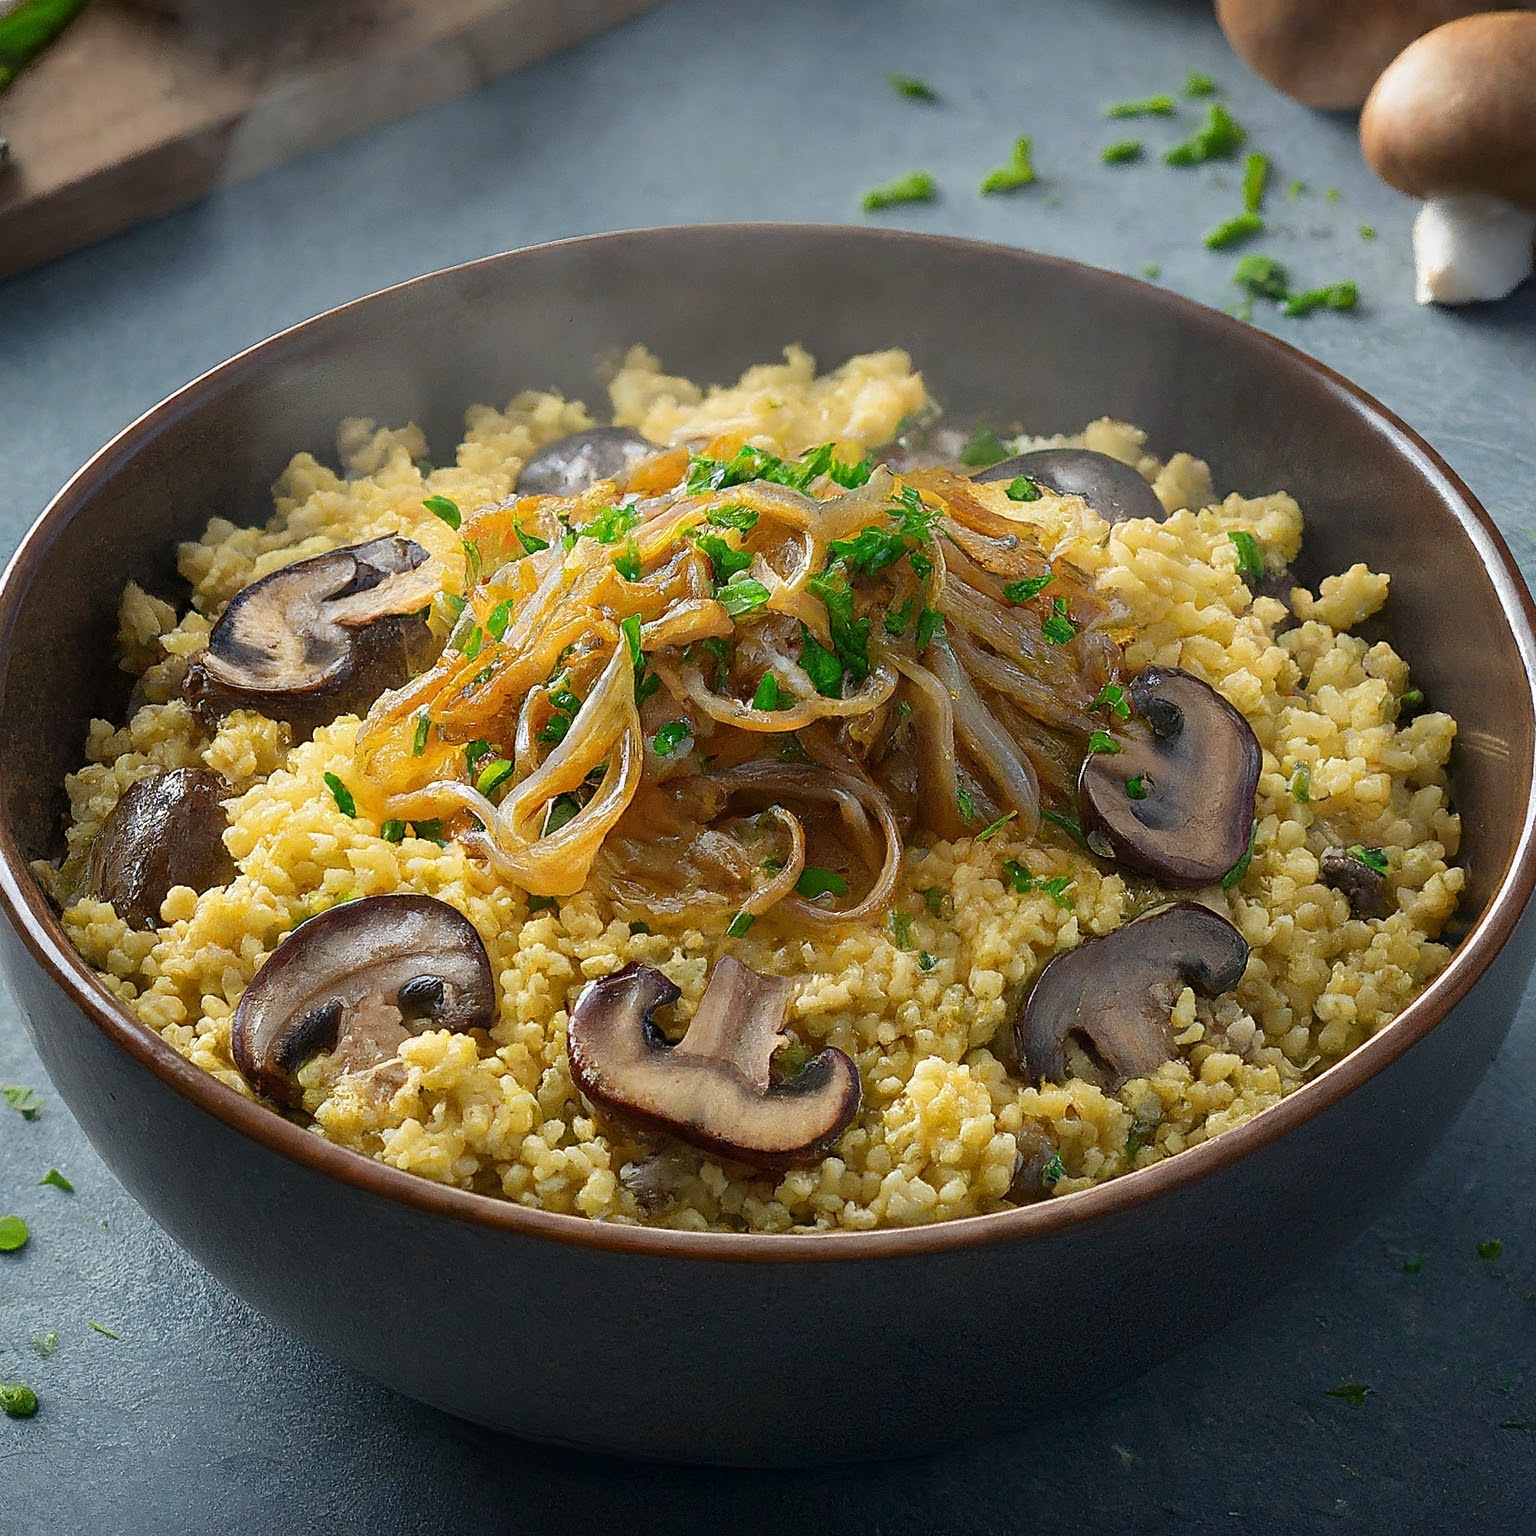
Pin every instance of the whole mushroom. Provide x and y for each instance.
(713, 1088)
(1328, 53)
(1453, 121)
(359, 980)
(319, 637)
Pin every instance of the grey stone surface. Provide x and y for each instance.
(201, 1416)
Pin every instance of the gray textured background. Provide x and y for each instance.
(199, 1415)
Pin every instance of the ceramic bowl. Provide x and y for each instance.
(801, 1348)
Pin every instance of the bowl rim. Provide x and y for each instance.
(41, 933)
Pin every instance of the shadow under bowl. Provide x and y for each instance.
(799, 1348)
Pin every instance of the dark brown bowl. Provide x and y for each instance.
(758, 1349)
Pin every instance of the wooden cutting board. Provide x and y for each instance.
(131, 113)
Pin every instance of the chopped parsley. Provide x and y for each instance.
(1019, 171)
(100, 1328)
(430, 831)
(1350, 1392)
(474, 752)
(341, 795)
(1344, 296)
(966, 802)
(1301, 783)
(1152, 106)
(849, 633)
(46, 1343)
(1414, 1265)
(393, 831)
(1240, 869)
(1136, 788)
(1250, 562)
(670, 737)
(419, 739)
(1294, 191)
(725, 559)
(1102, 741)
(1367, 231)
(1412, 698)
(742, 519)
(56, 1180)
(542, 904)
(1372, 858)
(563, 809)
(611, 524)
(749, 463)
(1121, 152)
(936, 899)
(24, 1101)
(1067, 823)
(628, 562)
(738, 925)
(1490, 1250)
(1112, 697)
(721, 651)
(493, 775)
(1218, 138)
(1022, 488)
(912, 88)
(897, 619)
(989, 832)
(1026, 587)
(1151, 270)
(820, 665)
(1023, 882)
(564, 706)
(767, 695)
(814, 882)
(901, 929)
(983, 447)
(1054, 1171)
(446, 509)
(930, 627)
(926, 962)
(531, 542)
(1261, 277)
(1235, 230)
(741, 594)
(17, 1399)
(1058, 627)
(498, 618)
(1255, 174)
(13, 1234)
(471, 559)
(470, 643)
(1199, 85)
(918, 187)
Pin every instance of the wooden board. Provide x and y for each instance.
(130, 114)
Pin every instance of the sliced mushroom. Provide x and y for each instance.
(1114, 490)
(1113, 996)
(166, 830)
(1366, 888)
(360, 979)
(320, 637)
(1453, 120)
(1034, 1147)
(1177, 800)
(712, 1088)
(576, 463)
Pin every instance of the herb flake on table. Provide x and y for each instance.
(1490, 1250)
(1162, 105)
(17, 1399)
(1342, 296)
(911, 87)
(1255, 174)
(13, 1234)
(56, 1180)
(918, 187)
(1351, 1392)
(1121, 152)
(101, 1328)
(24, 1101)
(1199, 85)
(1233, 231)
(1019, 171)
(46, 1343)
(1219, 137)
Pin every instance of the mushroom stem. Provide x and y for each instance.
(1469, 246)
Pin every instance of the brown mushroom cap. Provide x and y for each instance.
(360, 979)
(1328, 53)
(712, 1088)
(1115, 994)
(1456, 112)
(166, 830)
(576, 463)
(1115, 490)
(1197, 760)
(320, 637)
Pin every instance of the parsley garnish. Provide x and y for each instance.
(470, 643)
(1136, 788)
(499, 617)
(629, 627)
(1255, 174)
(1372, 858)
(670, 737)
(741, 595)
(100, 1328)
(912, 88)
(1102, 741)
(738, 925)
(1121, 152)
(474, 752)
(1219, 137)
(17, 1399)
(1234, 230)
(542, 904)
(935, 898)
(1490, 1250)
(742, 519)
(341, 795)
(1019, 172)
(983, 447)
(814, 882)
(1367, 231)
(988, 833)
(767, 695)
(565, 706)
(13, 1234)
(1240, 869)
(721, 651)
(1199, 85)
(1250, 563)
(966, 802)
(901, 929)
(531, 542)
(1411, 698)
(628, 563)
(392, 831)
(849, 634)
(471, 560)
(897, 619)
(46, 1343)
(725, 559)
(1066, 823)
(1023, 882)
(1301, 783)
(1058, 627)
(441, 506)
(430, 831)
(562, 810)
(493, 775)
(930, 627)
(1261, 276)
(23, 1100)
(919, 187)
(1350, 1392)
(1343, 295)
(1112, 697)
(749, 463)
(1026, 587)
(1413, 1266)
(1053, 1171)
(1152, 106)
(820, 665)
(611, 524)
(1022, 488)
(57, 1181)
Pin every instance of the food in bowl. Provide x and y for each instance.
(989, 815)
